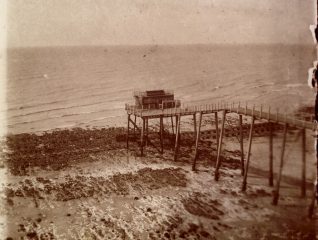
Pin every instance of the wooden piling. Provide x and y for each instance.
(176, 147)
(142, 137)
(303, 175)
(161, 134)
(271, 174)
(176, 124)
(276, 192)
(172, 125)
(216, 129)
(314, 196)
(135, 125)
(313, 199)
(248, 154)
(241, 144)
(218, 159)
(195, 125)
(127, 138)
(197, 142)
(146, 132)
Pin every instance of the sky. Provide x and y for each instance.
(138, 22)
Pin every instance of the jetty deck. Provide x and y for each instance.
(261, 113)
(268, 114)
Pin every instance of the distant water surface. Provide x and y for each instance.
(61, 87)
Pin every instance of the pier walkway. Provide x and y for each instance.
(267, 114)
(273, 115)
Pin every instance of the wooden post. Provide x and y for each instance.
(176, 146)
(248, 155)
(303, 175)
(218, 160)
(147, 131)
(271, 156)
(127, 139)
(241, 144)
(314, 196)
(312, 201)
(195, 125)
(142, 137)
(276, 192)
(172, 125)
(135, 125)
(161, 134)
(197, 142)
(216, 129)
(176, 124)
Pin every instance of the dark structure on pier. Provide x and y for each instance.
(155, 99)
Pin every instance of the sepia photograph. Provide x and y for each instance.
(158, 119)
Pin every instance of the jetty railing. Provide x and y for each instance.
(261, 112)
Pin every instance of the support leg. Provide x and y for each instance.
(216, 130)
(276, 192)
(127, 139)
(172, 125)
(147, 131)
(161, 134)
(316, 167)
(135, 125)
(218, 159)
(312, 201)
(197, 142)
(142, 137)
(303, 173)
(248, 154)
(314, 196)
(176, 124)
(271, 174)
(241, 144)
(176, 147)
(195, 125)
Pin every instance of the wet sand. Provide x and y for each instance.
(83, 184)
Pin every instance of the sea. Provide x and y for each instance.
(64, 87)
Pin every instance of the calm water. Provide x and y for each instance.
(52, 88)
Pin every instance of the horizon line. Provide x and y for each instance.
(162, 45)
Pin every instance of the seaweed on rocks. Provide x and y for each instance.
(59, 148)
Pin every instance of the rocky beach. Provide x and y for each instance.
(84, 184)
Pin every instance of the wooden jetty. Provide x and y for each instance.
(272, 116)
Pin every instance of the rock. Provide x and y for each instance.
(204, 234)
(167, 235)
(149, 209)
(21, 228)
(10, 201)
(32, 235)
